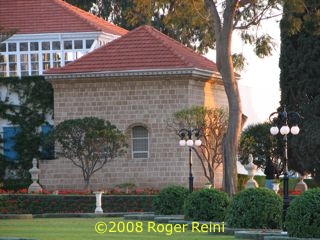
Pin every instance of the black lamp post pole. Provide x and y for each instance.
(286, 200)
(281, 119)
(190, 171)
(186, 139)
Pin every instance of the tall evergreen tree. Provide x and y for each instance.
(300, 80)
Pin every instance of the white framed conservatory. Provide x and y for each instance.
(33, 54)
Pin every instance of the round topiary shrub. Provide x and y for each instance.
(170, 200)
(255, 208)
(206, 205)
(303, 215)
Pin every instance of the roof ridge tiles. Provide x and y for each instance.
(152, 31)
(143, 48)
(52, 16)
(78, 12)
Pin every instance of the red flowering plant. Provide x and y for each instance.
(22, 191)
(294, 192)
(72, 192)
(118, 190)
(131, 191)
(9, 191)
(291, 192)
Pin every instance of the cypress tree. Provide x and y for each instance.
(300, 81)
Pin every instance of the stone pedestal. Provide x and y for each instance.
(98, 202)
(34, 171)
(301, 186)
(251, 168)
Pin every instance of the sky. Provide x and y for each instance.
(259, 83)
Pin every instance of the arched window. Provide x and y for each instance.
(140, 142)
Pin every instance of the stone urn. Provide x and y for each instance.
(251, 168)
(34, 171)
(301, 186)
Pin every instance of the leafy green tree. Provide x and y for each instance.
(299, 81)
(257, 140)
(228, 16)
(35, 97)
(182, 20)
(212, 124)
(111, 10)
(83, 4)
(6, 33)
(89, 143)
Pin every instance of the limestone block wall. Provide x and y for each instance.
(128, 102)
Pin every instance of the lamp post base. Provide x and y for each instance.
(191, 184)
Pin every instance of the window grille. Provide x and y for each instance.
(140, 142)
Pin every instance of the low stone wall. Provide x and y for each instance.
(62, 174)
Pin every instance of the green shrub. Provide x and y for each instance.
(255, 208)
(16, 184)
(170, 200)
(206, 205)
(303, 215)
(311, 183)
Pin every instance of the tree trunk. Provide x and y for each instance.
(230, 141)
(223, 28)
(225, 67)
(86, 178)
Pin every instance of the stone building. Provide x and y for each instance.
(47, 34)
(136, 82)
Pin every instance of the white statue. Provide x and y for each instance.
(251, 168)
(34, 171)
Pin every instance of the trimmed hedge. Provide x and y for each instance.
(170, 200)
(206, 205)
(255, 208)
(303, 215)
(39, 204)
(15, 184)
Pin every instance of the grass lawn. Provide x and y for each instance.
(84, 228)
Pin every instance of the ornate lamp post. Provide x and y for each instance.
(186, 140)
(287, 122)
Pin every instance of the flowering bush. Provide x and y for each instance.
(118, 199)
(134, 191)
(294, 192)
(112, 191)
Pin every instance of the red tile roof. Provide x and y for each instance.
(51, 16)
(144, 48)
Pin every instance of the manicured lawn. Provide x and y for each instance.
(84, 228)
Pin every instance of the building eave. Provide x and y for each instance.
(201, 73)
(58, 36)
